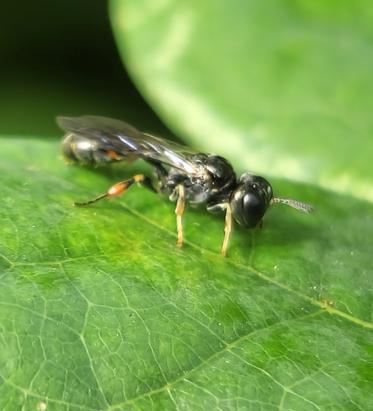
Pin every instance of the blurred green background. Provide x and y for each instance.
(61, 58)
(281, 88)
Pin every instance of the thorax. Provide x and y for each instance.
(212, 179)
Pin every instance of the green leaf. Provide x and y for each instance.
(99, 310)
(281, 87)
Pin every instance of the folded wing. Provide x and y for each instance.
(111, 139)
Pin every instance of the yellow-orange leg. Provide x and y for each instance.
(116, 190)
(227, 230)
(179, 210)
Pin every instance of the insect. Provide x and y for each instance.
(184, 175)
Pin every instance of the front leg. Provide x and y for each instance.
(179, 210)
(223, 206)
(227, 229)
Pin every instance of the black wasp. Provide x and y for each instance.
(185, 176)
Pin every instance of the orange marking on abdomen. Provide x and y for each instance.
(113, 155)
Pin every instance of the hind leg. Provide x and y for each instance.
(119, 188)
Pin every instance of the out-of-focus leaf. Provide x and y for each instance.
(99, 310)
(282, 88)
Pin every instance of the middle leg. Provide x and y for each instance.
(179, 210)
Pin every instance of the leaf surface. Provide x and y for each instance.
(99, 310)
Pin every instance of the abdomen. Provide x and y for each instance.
(87, 150)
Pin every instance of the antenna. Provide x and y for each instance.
(306, 208)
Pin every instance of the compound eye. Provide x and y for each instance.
(251, 201)
(254, 208)
(248, 205)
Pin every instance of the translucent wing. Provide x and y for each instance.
(114, 135)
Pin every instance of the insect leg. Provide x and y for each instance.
(148, 183)
(179, 210)
(119, 188)
(227, 230)
(160, 172)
